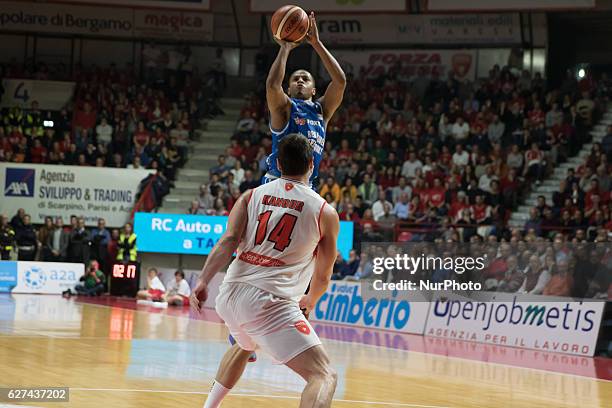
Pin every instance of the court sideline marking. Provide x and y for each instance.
(380, 403)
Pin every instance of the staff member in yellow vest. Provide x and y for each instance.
(127, 250)
(14, 119)
(7, 238)
(33, 122)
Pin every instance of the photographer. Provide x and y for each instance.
(94, 281)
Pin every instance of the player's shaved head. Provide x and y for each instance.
(294, 155)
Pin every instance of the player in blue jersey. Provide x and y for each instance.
(297, 111)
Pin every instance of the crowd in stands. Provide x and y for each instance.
(406, 159)
(432, 152)
(115, 119)
(432, 158)
(581, 206)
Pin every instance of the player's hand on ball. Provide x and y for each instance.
(313, 32)
(287, 44)
(307, 304)
(198, 297)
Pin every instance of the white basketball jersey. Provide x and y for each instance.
(276, 253)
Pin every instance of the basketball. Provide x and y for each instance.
(290, 23)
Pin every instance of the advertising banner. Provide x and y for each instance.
(57, 18)
(534, 322)
(462, 63)
(61, 191)
(346, 303)
(8, 276)
(39, 277)
(166, 4)
(181, 25)
(405, 29)
(343, 6)
(198, 234)
(494, 5)
(106, 21)
(50, 95)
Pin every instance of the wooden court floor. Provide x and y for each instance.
(116, 357)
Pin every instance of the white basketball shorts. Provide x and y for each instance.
(256, 318)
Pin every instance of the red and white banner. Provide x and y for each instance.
(497, 5)
(560, 325)
(342, 6)
(461, 63)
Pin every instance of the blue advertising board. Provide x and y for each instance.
(346, 303)
(8, 276)
(197, 234)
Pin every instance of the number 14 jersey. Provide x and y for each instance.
(277, 251)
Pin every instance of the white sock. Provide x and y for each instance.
(217, 393)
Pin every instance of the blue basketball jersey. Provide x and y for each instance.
(306, 118)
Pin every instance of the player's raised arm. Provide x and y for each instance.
(335, 90)
(278, 101)
(324, 262)
(223, 250)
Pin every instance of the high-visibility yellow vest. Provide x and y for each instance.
(7, 238)
(31, 121)
(14, 119)
(132, 247)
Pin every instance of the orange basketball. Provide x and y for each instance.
(290, 23)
